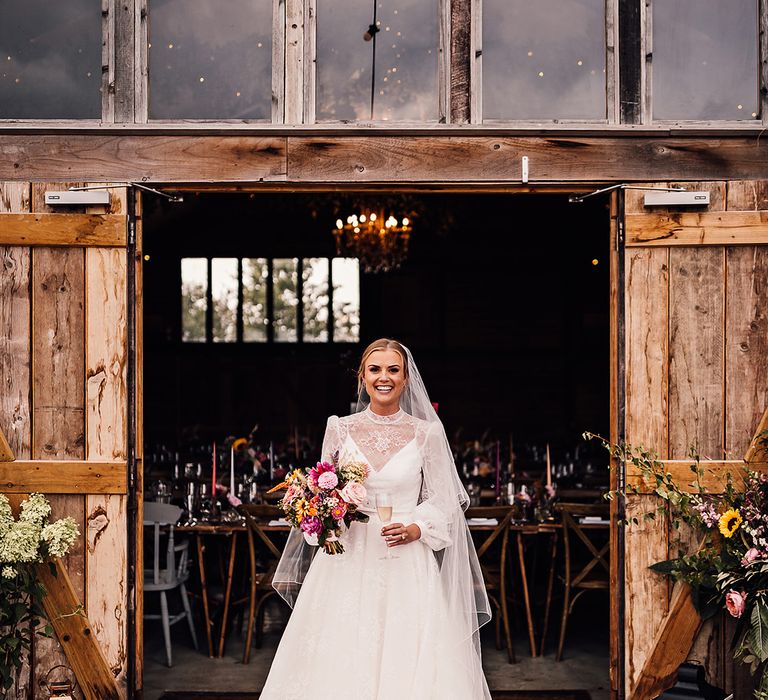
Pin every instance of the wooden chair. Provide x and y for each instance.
(259, 540)
(494, 566)
(582, 574)
(161, 518)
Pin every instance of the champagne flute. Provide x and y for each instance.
(384, 509)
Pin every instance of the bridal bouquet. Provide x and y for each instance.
(25, 543)
(320, 500)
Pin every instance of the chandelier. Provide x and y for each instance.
(380, 242)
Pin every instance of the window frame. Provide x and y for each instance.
(269, 311)
(646, 42)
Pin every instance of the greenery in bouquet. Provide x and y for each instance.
(25, 543)
(729, 570)
(320, 500)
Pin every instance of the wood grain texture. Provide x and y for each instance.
(106, 401)
(123, 60)
(697, 228)
(83, 654)
(62, 230)
(63, 477)
(696, 353)
(157, 158)
(294, 61)
(461, 29)
(714, 478)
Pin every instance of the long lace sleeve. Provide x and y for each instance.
(433, 514)
(331, 439)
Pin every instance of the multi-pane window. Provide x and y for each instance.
(705, 59)
(377, 60)
(210, 59)
(50, 59)
(544, 59)
(311, 300)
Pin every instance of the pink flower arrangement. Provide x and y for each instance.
(321, 500)
(735, 601)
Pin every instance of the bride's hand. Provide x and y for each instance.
(396, 534)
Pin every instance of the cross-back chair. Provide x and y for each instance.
(494, 566)
(592, 570)
(260, 542)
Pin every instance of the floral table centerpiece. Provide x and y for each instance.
(729, 571)
(320, 500)
(24, 544)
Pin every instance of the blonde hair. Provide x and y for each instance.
(381, 344)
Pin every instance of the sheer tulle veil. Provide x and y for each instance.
(461, 581)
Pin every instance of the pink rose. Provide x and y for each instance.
(750, 556)
(354, 493)
(735, 602)
(327, 480)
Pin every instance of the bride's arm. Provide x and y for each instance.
(432, 515)
(331, 443)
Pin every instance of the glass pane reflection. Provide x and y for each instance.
(346, 300)
(255, 280)
(315, 299)
(194, 288)
(705, 59)
(210, 59)
(544, 59)
(224, 298)
(285, 297)
(406, 48)
(50, 59)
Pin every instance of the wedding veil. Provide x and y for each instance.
(461, 580)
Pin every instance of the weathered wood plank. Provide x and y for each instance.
(63, 477)
(670, 647)
(106, 402)
(697, 228)
(630, 63)
(6, 453)
(15, 354)
(461, 28)
(62, 230)
(294, 61)
(155, 158)
(758, 451)
(714, 478)
(124, 60)
(647, 321)
(64, 609)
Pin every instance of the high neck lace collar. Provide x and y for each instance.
(377, 418)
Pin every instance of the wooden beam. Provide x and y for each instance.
(63, 229)
(75, 634)
(63, 476)
(6, 453)
(671, 646)
(461, 27)
(714, 478)
(757, 447)
(697, 228)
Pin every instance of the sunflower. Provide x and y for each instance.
(729, 522)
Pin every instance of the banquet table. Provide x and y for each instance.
(233, 530)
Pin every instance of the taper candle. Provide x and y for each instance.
(213, 479)
(549, 468)
(232, 470)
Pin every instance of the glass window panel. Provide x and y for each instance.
(255, 280)
(346, 300)
(705, 59)
(210, 59)
(50, 59)
(285, 297)
(224, 299)
(406, 47)
(315, 299)
(194, 303)
(544, 59)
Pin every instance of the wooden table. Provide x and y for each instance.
(234, 529)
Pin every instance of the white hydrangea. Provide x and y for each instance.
(35, 509)
(60, 536)
(20, 543)
(9, 572)
(6, 515)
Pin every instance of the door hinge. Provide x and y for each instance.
(131, 231)
(619, 233)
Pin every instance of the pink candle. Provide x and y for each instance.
(549, 468)
(498, 468)
(213, 481)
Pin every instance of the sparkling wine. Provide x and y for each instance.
(385, 513)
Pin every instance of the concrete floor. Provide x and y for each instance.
(585, 663)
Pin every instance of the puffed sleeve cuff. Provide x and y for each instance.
(433, 537)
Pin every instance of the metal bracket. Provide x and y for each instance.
(138, 185)
(578, 198)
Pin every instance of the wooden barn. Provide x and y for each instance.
(146, 99)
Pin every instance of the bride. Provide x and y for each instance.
(397, 615)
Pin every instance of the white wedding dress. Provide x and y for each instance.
(369, 628)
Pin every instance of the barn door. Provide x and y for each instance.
(64, 408)
(696, 374)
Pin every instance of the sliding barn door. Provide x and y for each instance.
(64, 410)
(696, 375)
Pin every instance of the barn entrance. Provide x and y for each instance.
(253, 323)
